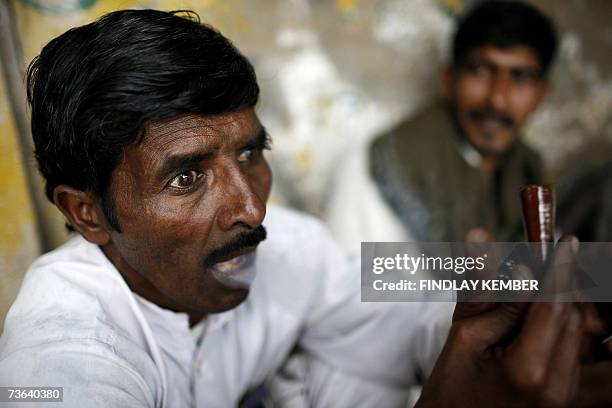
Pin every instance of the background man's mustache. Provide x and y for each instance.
(244, 240)
(492, 114)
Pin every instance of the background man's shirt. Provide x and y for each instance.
(420, 182)
(429, 175)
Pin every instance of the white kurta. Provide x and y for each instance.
(76, 324)
(356, 210)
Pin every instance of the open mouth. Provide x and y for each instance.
(492, 121)
(238, 272)
(231, 265)
(492, 126)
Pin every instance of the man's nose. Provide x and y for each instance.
(241, 203)
(499, 92)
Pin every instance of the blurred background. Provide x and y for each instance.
(333, 73)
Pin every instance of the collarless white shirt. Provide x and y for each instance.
(76, 324)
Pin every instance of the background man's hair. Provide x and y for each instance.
(94, 89)
(505, 24)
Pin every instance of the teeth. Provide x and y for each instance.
(231, 265)
(238, 272)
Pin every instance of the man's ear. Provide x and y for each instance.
(83, 213)
(447, 83)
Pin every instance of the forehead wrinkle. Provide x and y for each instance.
(204, 128)
(164, 148)
(161, 141)
(192, 121)
(209, 130)
(180, 129)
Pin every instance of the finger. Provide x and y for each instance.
(523, 273)
(564, 368)
(560, 275)
(465, 310)
(494, 324)
(503, 318)
(479, 235)
(479, 244)
(533, 347)
(572, 240)
(545, 323)
(592, 321)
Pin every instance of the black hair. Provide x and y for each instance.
(505, 24)
(94, 90)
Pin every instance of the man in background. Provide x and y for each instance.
(459, 164)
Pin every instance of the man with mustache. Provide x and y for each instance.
(459, 164)
(146, 134)
(148, 140)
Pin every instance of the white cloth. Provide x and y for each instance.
(76, 324)
(356, 211)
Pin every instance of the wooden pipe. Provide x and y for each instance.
(538, 202)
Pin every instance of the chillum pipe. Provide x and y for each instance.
(538, 202)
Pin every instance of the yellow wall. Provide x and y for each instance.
(19, 243)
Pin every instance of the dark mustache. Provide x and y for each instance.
(492, 114)
(242, 241)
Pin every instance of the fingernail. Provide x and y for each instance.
(478, 235)
(575, 244)
(521, 272)
(573, 241)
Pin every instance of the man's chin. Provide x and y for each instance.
(230, 300)
(492, 151)
(492, 145)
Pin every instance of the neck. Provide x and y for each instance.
(490, 164)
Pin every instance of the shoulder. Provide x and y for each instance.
(73, 321)
(69, 279)
(415, 143)
(68, 295)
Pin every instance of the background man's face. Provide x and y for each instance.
(493, 93)
(190, 196)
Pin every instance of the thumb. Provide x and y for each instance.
(488, 324)
(466, 310)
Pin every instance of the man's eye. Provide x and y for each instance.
(185, 180)
(246, 155)
(523, 77)
(480, 70)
